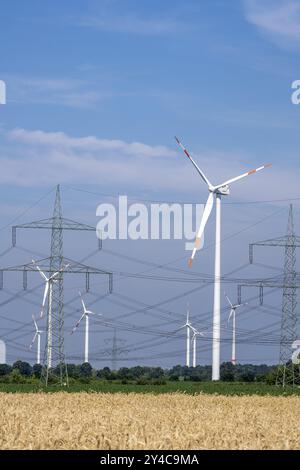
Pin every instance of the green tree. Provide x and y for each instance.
(37, 370)
(227, 372)
(247, 376)
(23, 367)
(104, 373)
(5, 369)
(73, 370)
(86, 370)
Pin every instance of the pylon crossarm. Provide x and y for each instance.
(73, 267)
(270, 284)
(280, 241)
(47, 224)
(65, 224)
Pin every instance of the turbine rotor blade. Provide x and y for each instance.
(207, 210)
(40, 271)
(251, 172)
(44, 298)
(228, 299)
(83, 305)
(35, 323)
(63, 268)
(77, 324)
(181, 328)
(240, 305)
(32, 342)
(205, 179)
(230, 315)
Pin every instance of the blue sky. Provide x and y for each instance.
(85, 82)
(213, 72)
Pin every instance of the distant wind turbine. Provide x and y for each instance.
(85, 315)
(233, 309)
(37, 336)
(189, 328)
(194, 342)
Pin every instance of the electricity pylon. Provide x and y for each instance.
(287, 373)
(116, 350)
(57, 224)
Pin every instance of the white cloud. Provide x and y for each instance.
(73, 93)
(278, 19)
(37, 158)
(90, 143)
(131, 25)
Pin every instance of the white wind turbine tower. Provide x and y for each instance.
(194, 341)
(188, 327)
(233, 309)
(48, 292)
(218, 191)
(85, 315)
(37, 335)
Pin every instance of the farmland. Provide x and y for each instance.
(187, 387)
(130, 421)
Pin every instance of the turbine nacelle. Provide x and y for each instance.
(224, 190)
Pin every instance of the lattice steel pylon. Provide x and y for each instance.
(114, 351)
(117, 349)
(287, 370)
(55, 332)
(54, 362)
(287, 373)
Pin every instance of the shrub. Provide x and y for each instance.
(16, 377)
(174, 378)
(84, 380)
(271, 378)
(142, 381)
(159, 382)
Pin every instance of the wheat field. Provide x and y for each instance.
(136, 421)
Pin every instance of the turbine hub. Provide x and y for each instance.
(224, 190)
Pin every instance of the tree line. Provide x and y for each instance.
(22, 371)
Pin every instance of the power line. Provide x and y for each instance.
(158, 201)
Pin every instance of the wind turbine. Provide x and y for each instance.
(48, 285)
(48, 292)
(38, 336)
(218, 191)
(233, 309)
(85, 315)
(188, 327)
(194, 341)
